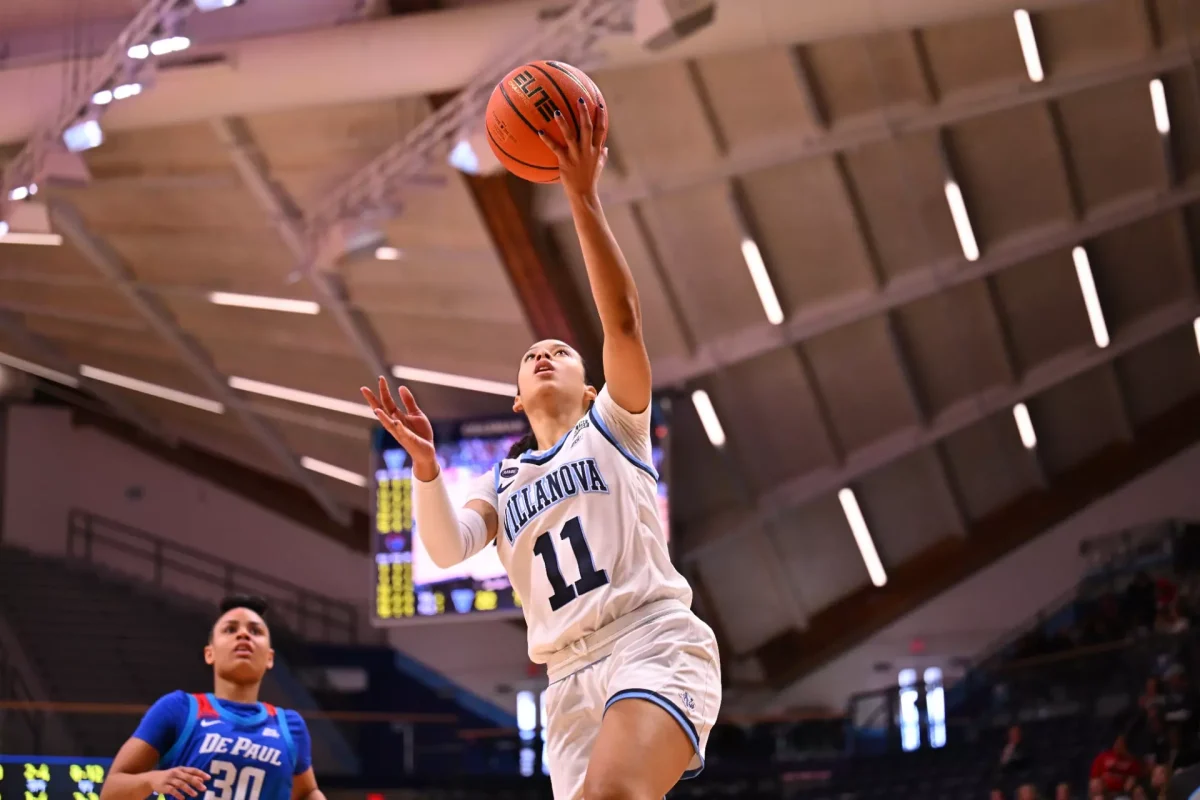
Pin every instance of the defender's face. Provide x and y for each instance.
(549, 369)
(241, 647)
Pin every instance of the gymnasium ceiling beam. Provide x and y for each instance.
(107, 262)
(880, 127)
(852, 620)
(964, 413)
(49, 355)
(285, 213)
(752, 342)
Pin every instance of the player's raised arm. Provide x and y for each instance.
(626, 364)
(450, 535)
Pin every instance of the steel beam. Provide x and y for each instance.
(288, 220)
(879, 127)
(107, 262)
(937, 277)
(964, 413)
(51, 356)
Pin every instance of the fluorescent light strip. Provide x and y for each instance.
(44, 239)
(1029, 48)
(762, 281)
(38, 370)
(332, 471)
(1087, 284)
(455, 381)
(304, 398)
(862, 536)
(387, 253)
(1025, 426)
(264, 303)
(152, 389)
(708, 418)
(962, 221)
(1196, 327)
(1158, 100)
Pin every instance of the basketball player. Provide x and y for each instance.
(225, 745)
(635, 681)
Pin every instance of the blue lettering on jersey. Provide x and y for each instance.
(526, 503)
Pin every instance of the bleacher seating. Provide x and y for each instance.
(93, 638)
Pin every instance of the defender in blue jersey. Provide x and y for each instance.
(223, 745)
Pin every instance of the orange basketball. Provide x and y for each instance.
(524, 103)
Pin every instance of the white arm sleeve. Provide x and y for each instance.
(450, 535)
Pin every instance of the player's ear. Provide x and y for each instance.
(209, 656)
(271, 658)
(518, 406)
(589, 394)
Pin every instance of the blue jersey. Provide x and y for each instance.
(251, 751)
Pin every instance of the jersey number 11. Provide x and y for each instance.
(589, 577)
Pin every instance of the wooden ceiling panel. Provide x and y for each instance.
(907, 507)
(901, 186)
(1140, 268)
(1044, 305)
(1113, 145)
(1010, 172)
(863, 384)
(1076, 419)
(784, 438)
(858, 75)
(954, 344)
(1152, 376)
(1083, 36)
(750, 120)
(807, 232)
(975, 54)
(990, 466)
(704, 262)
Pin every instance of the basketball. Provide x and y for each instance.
(524, 103)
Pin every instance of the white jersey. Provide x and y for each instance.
(580, 533)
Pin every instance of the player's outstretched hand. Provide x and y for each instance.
(409, 426)
(180, 783)
(581, 162)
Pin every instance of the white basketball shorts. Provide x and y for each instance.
(670, 660)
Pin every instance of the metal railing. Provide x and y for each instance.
(184, 570)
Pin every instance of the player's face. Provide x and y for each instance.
(551, 373)
(241, 647)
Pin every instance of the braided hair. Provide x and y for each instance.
(523, 445)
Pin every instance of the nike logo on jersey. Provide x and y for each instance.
(208, 723)
(241, 746)
(525, 504)
(504, 488)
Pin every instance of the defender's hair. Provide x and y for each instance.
(250, 602)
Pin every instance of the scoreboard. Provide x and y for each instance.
(51, 778)
(407, 586)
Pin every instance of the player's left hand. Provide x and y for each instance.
(581, 162)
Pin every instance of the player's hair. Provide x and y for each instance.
(250, 602)
(523, 445)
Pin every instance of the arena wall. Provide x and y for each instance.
(52, 466)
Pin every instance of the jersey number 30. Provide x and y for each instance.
(231, 783)
(589, 577)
